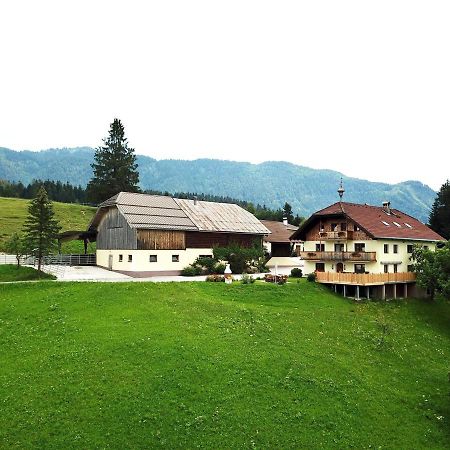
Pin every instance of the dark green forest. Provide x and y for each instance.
(269, 183)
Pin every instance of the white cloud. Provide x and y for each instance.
(360, 87)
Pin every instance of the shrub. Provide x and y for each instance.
(311, 276)
(219, 268)
(215, 278)
(296, 272)
(279, 279)
(191, 271)
(206, 264)
(247, 279)
(239, 258)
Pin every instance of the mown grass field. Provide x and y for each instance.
(187, 365)
(10, 272)
(71, 217)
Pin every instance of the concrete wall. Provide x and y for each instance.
(401, 258)
(141, 259)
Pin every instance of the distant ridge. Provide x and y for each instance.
(271, 183)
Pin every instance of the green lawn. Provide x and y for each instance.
(186, 365)
(9, 272)
(71, 217)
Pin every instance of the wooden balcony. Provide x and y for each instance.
(336, 235)
(363, 279)
(339, 256)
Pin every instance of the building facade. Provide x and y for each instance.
(361, 245)
(144, 235)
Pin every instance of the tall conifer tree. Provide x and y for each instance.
(439, 219)
(115, 167)
(41, 227)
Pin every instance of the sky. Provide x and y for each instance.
(362, 87)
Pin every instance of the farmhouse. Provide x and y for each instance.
(145, 235)
(364, 250)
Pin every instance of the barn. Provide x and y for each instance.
(145, 235)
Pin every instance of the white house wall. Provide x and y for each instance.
(141, 259)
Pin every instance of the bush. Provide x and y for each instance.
(219, 268)
(191, 271)
(311, 276)
(215, 278)
(279, 279)
(247, 279)
(296, 272)
(239, 258)
(206, 264)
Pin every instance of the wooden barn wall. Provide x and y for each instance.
(114, 233)
(161, 240)
(195, 239)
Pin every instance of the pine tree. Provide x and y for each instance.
(115, 167)
(439, 219)
(287, 212)
(40, 228)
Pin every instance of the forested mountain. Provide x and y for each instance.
(268, 183)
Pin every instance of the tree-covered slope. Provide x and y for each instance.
(269, 183)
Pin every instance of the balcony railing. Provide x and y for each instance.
(339, 256)
(336, 235)
(365, 278)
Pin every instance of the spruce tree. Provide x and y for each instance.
(439, 219)
(115, 167)
(41, 227)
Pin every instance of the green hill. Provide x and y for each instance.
(70, 216)
(206, 365)
(271, 183)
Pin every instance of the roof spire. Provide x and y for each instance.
(341, 191)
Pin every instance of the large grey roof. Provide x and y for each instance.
(166, 213)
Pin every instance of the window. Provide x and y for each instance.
(175, 258)
(320, 267)
(386, 248)
(386, 268)
(410, 268)
(395, 268)
(385, 223)
(408, 225)
(320, 247)
(343, 226)
(397, 224)
(409, 248)
(395, 248)
(360, 247)
(120, 258)
(334, 227)
(130, 258)
(357, 228)
(360, 268)
(425, 247)
(153, 258)
(338, 247)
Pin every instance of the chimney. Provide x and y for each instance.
(195, 199)
(285, 222)
(387, 207)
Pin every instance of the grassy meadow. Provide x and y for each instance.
(187, 365)
(9, 272)
(71, 217)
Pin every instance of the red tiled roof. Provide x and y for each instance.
(379, 224)
(279, 231)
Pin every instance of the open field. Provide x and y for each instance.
(9, 272)
(144, 365)
(71, 217)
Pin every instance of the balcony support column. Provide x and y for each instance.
(406, 290)
(368, 292)
(357, 292)
(395, 291)
(383, 292)
(344, 289)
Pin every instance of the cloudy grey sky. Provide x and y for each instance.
(362, 87)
